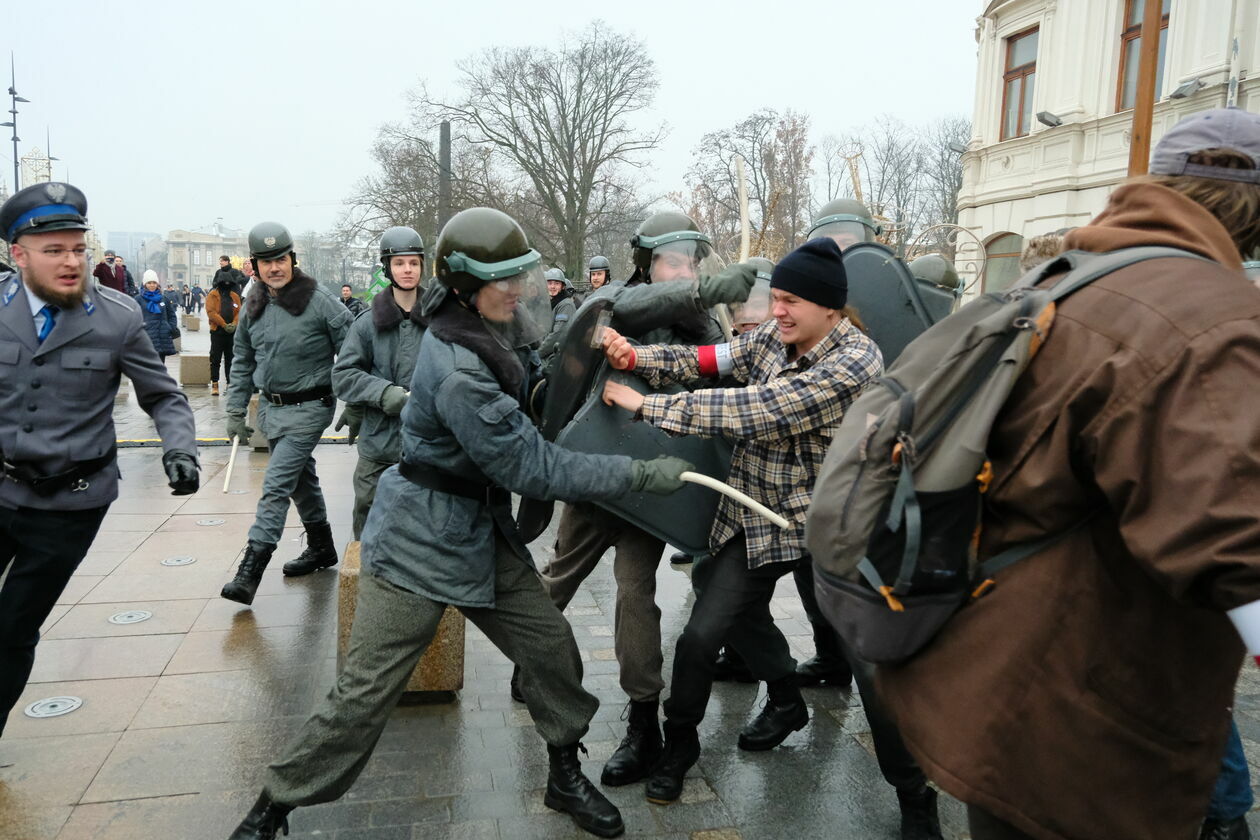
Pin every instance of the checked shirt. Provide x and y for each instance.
(781, 423)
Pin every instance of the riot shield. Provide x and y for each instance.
(682, 519)
(895, 306)
(571, 378)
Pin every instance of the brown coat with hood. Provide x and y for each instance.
(1088, 696)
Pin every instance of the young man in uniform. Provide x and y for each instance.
(668, 299)
(64, 343)
(803, 370)
(441, 533)
(284, 348)
(374, 367)
(598, 273)
(563, 307)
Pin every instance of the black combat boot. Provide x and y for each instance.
(681, 752)
(569, 791)
(639, 750)
(1225, 830)
(731, 667)
(249, 574)
(320, 552)
(514, 687)
(828, 664)
(783, 713)
(919, 820)
(263, 821)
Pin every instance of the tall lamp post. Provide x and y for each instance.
(14, 99)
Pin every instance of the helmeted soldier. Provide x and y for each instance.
(845, 220)
(598, 272)
(373, 369)
(668, 299)
(563, 308)
(935, 269)
(441, 533)
(284, 348)
(64, 343)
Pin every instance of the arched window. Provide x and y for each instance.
(1002, 269)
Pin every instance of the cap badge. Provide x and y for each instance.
(55, 192)
(270, 241)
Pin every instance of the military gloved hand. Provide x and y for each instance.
(351, 419)
(659, 476)
(238, 428)
(730, 285)
(393, 400)
(183, 471)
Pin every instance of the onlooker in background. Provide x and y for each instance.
(237, 277)
(185, 299)
(110, 273)
(159, 316)
(350, 301)
(223, 307)
(129, 282)
(247, 278)
(198, 295)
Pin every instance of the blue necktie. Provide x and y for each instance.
(50, 319)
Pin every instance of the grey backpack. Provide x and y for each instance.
(896, 510)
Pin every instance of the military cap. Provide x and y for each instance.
(43, 208)
(268, 240)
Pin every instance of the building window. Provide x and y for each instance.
(1131, 48)
(196, 257)
(1001, 269)
(1017, 83)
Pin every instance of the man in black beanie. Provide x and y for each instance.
(803, 369)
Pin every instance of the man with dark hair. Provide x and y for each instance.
(1106, 662)
(351, 302)
(110, 273)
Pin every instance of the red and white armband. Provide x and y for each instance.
(715, 359)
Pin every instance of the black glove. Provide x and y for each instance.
(351, 419)
(183, 471)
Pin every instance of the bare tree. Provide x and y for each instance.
(943, 175)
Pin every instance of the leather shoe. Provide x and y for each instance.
(783, 713)
(681, 752)
(818, 670)
(569, 791)
(263, 821)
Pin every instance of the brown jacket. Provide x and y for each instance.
(1088, 695)
(213, 306)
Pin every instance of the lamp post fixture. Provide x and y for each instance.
(14, 99)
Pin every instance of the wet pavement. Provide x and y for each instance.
(182, 711)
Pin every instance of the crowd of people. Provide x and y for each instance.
(1086, 692)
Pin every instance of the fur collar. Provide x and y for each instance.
(386, 314)
(293, 298)
(455, 324)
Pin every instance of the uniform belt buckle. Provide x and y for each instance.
(79, 485)
(275, 399)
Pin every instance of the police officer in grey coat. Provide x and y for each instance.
(289, 334)
(441, 532)
(64, 343)
(373, 370)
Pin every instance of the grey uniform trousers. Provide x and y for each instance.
(585, 533)
(366, 474)
(290, 475)
(392, 629)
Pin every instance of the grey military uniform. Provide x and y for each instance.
(57, 398)
(380, 350)
(652, 313)
(286, 344)
(424, 549)
(561, 316)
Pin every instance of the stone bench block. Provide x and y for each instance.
(192, 323)
(194, 369)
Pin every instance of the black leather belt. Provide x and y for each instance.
(323, 394)
(47, 485)
(444, 482)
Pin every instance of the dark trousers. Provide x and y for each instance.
(732, 607)
(221, 348)
(985, 826)
(41, 549)
(895, 762)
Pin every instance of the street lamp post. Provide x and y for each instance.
(14, 99)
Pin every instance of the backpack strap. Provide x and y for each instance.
(1088, 267)
(985, 571)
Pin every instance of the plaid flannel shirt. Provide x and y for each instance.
(782, 423)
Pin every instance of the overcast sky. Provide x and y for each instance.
(170, 115)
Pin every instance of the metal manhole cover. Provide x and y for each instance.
(130, 617)
(53, 706)
(211, 521)
(183, 560)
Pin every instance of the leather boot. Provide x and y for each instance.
(681, 558)
(320, 552)
(919, 819)
(1235, 829)
(263, 821)
(514, 687)
(249, 574)
(783, 713)
(681, 752)
(214, 388)
(639, 750)
(828, 664)
(731, 667)
(569, 791)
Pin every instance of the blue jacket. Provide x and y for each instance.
(162, 326)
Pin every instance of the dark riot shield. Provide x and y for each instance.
(568, 388)
(682, 519)
(895, 306)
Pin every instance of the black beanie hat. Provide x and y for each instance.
(814, 272)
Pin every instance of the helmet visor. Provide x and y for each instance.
(683, 260)
(844, 232)
(516, 309)
(754, 311)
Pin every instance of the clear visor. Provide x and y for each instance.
(516, 309)
(756, 310)
(686, 259)
(845, 233)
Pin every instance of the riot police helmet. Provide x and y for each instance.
(397, 242)
(845, 220)
(670, 246)
(935, 269)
